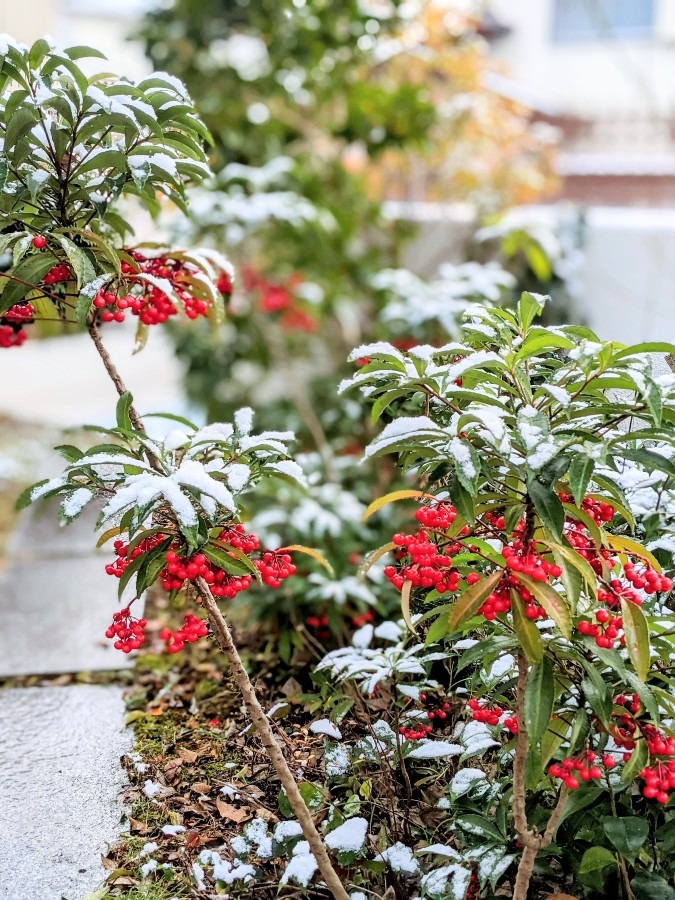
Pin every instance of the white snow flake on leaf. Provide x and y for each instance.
(325, 726)
(302, 866)
(435, 750)
(349, 837)
(337, 761)
(400, 858)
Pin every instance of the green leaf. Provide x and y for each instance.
(539, 700)
(18, 126)
(636, 763)
(596, 858)
(548, 507)
(599, 698)
(637, 637)
(551, 601)
(650, 886)
(530, 306)
(225, 560)
(81, 52)
(462, 500)
(79, 261)
(472, 599)
(579, 475)
(529, 636)
(30, 270)
(626, 833)
(122, 411)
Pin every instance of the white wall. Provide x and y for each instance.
(588, 78)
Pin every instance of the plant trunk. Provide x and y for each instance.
(255, 710)
(524, 875)
(269, 742)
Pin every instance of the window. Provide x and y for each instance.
(591, 20)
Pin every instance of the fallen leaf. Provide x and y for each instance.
(560, 897)
(188, 756)
(227, 811)
(200, 787)
(137, 825)
(291, 688)
(192, 838)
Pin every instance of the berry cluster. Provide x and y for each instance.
(12, 323)
(318, 625)
(126, 630)
(125, 557)
(180, 569)
(437, 514)
(274, 567)
(427, 565)
(522, 557)
(415, 732)
(190, 631)
(492, 715)
(659, 781)
(607, 630)
(646, 579)
(587, 767)
(57, 274)
(280, 297)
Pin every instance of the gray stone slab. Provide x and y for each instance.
(37, 533)
(59, 783)
(54, 614)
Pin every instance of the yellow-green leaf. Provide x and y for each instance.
(309, 551)
(582, 516)
(110, 533)
(527, 632)
(575, 559)
(637, 637)
(369, 561)
(628, 545)
(391, 498)
(551, 601)
(472, 599)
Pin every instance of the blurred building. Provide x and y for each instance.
(104, 24)
(603, 71)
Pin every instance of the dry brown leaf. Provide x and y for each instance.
(200, 787)
(291, 688)
(138, 826)
(227, 811)
(188, 756)
(192, 838)
(560, 897)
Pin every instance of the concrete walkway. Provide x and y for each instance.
(60, 747)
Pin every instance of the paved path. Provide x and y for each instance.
(59, 780)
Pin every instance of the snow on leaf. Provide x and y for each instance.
(243, 420)
(465, 780)
(400, 429)
(440, 850)
(74, 503)
(284, 831)
(434, 750)
(349, 837)
(363, 636)
(337, 761)
(237, 475)
(289, 468)
(400, 859)
(437, 884)
(301, 867)
(325, 726)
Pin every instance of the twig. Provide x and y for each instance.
(269, 742)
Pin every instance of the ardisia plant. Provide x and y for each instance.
(72, 147)
(525, 544)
